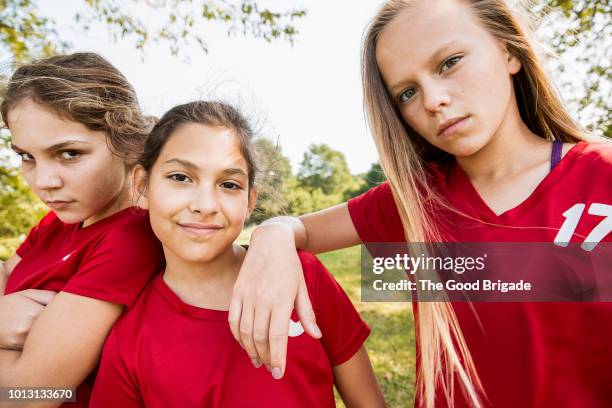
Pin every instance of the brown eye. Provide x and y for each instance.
(231, 186)
(179, 178)
(70, 154)
(26, 157)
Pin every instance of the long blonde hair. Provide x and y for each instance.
(405, 155)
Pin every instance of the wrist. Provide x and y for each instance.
(272, 233)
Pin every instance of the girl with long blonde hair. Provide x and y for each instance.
(477, 147)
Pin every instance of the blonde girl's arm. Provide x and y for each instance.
(356, 383)
(271, 281)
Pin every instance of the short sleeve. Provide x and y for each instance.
(119, 266)
(344, 332)
(35, 234)
(114, 386)
(375, 216)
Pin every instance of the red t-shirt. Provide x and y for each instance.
(527, 354)
(166, 353)
(111, 260)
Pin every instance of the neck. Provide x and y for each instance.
(512, 149)
(120, 202)
(204, 284)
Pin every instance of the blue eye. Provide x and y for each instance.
(179, 178)
(451, 62)
(406, 95)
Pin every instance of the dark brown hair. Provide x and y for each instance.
(84, 88)
(210, 113)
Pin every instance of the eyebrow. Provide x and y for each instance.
(55, 147)
(192, 166)
(430, 61)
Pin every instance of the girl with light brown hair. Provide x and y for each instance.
(76, 124)
(477, 147)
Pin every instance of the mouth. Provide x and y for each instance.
(452, 125)
(58, 204)
(199, 230)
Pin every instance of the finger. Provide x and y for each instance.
(279, 331)
(42, 297)
(246, 335)
(235, 311)
(260, 334)
(305, 312)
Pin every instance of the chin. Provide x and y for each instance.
(463, 145)
(70, 218)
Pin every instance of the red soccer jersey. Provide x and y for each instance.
(166, 353)
(527, 354)
(111, 260)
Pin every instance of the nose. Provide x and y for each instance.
(204, 200)
(46, 178)
(435, 97)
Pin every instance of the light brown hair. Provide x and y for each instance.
(84, 88)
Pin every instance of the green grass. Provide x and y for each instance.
(391, 344)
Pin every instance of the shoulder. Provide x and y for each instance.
(50, 222)
(596, 154)
(132, 231)
(137, 318)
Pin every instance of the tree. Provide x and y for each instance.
(274, 170)
(373, 177)
(25, 34)
(325, 169)
(583, 28)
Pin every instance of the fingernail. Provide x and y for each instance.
(256, 363)
(276, 373)
(316, 330)
(268, 368)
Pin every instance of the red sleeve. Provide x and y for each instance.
(34, 234)
(344, 332)
(114, 386)
(119, 266)
(375, 215)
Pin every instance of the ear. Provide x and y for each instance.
(252, 199)
(139, 181)
(514, 64)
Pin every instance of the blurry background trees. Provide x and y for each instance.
(580, 29)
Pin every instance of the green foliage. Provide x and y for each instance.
(585, 25)
(180, 19)
(373, 177)
(25, 34)
(20, 210)
(274, 170)
(325, 169)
